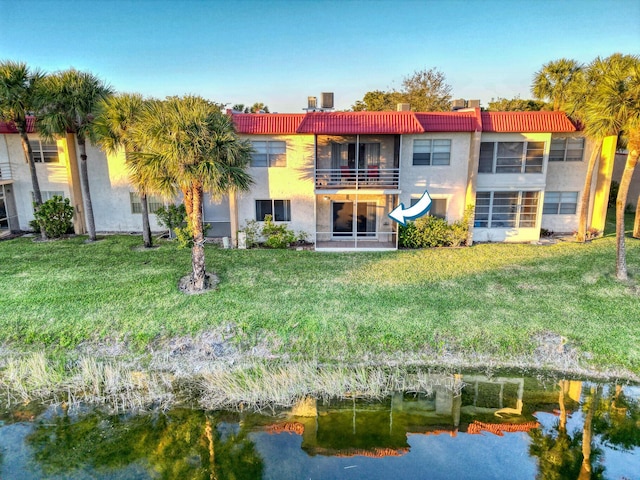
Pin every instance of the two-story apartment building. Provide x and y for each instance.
(338, 175)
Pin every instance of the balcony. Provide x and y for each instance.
(5, 171)
(371, 177)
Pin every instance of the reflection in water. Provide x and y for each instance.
(494, 428)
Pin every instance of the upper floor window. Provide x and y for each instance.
(560, 203)
(569, 149)
(431, 152)
(280, 210)
(354, 155)
(44, 152)
(511, 157)
(269, 154)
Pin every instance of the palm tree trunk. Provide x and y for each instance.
(146, 229)
(636, 224)
(621, 201)
(587, 433)
(84, 180)
(197, 251)
(28, 155)
(581, 236)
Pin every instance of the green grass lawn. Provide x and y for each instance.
(490, 298)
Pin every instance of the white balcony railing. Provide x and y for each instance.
(370, 177)
(5, 171)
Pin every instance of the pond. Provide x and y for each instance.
(467, 427)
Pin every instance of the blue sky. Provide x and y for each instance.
(280, 52)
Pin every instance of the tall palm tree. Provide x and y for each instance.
(192, 147)
(18, 100)
(553, 81)
(71, 101)
(614, 107)
(112, 128)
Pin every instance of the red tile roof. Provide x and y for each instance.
(353, 123)
(9, 127)
(529, 122)
(268, 123)
(449, 121)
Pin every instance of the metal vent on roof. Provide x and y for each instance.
(473, 104)
(403, 107)
(327, 100)
(312, 103)
(458, 104)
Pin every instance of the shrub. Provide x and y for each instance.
(172, 217)
(430, 231)
(277, 236)
(55, 216)
(251, 230)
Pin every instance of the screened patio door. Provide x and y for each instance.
(343, 222)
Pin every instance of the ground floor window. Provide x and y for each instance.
(560, 203)
(506, 209)
(344, 224)
(153, 203)
(280, 210)
(438, 207)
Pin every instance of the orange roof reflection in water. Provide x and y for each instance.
(289, 427)
(499, 428)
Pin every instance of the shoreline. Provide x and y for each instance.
(198, 372)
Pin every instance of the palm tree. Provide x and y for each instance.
(191, 146)
(71, 100)
(553, 81)
(112, 127)
(18, 100)
(614, 107)
(256, 107)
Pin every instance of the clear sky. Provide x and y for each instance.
(280, 52)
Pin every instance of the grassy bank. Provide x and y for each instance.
(493, 299)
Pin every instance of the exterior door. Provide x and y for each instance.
(343, 221)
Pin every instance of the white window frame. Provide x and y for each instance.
(415, 200)
(554, 153)
(286, 205)
(438, 151)
(275, 152)
(561, 200)
(153, 203)
(40, 148)
(528, 163)
(496, 212)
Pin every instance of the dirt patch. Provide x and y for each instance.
(186, 284)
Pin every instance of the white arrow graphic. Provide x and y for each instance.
(422, 206)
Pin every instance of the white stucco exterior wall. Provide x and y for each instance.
(294, 182)
(110, 187)
(567, 177)
(441, 181)
(52, 177)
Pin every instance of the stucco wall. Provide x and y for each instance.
(441, 181)
(110, 187)
(634, 188)
(294, 182)
(567, 177)
(52, 177)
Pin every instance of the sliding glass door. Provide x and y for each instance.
(343, 222)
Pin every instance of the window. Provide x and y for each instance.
(560, 203)
(506, 209)
(438, 207)
(153, 203)
(44, 152)
(568, 149)
(280, 210)
(511, 157)
(269, 154)
(431, 152)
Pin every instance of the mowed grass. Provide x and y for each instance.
(490, 298)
